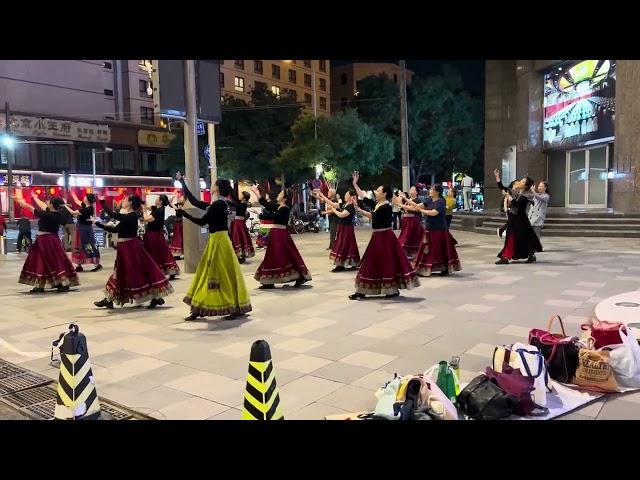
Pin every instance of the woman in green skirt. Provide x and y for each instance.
(218, 286)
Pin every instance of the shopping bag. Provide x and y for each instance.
(604, 333)
(625, 360)
(560, 351)
(530, 362)
(594, 371)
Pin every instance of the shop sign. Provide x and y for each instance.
(150, 138)
(58, 129)
(18, 180)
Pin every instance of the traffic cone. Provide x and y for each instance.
(76, 398)
(261, 398)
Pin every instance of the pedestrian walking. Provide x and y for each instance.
(467, 187)
(437, 252)
(240, 238)
(345, 251)
(154, 240)
(85, 248)
(538, 212)
(412, 229)
(282, 262)
(218, 287)
(47, 265)
(136, 276)
(521, 241)
(385, 268)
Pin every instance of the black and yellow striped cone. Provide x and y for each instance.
(77, 398)
(261, 398)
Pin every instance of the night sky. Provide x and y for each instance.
(472, 71)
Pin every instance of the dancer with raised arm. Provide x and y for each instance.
(385, 268)
(136, 276)
(154, 240)
(282, 262)
(411, 228)
(240, 238)
(345, 251)
(85, 248)
(177, 236)
(47, 265)
(218, 286)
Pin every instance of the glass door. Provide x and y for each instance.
(587, 178)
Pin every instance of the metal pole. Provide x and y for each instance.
(404, 128)
(93, 164)
(192, 175)
(213, 161)
(315, 119)
(7, 128)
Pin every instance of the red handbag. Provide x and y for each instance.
(560, 352)
(605, 333)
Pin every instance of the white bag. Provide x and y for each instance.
(625, 360)
(530, 362)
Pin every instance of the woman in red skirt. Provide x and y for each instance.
(282, 262)
(47, 265)
(154, 241)
(437, 252)
(385, 268)
(345, 251)
(240, 238)
(177, 235)
(136, 276)
(412, 231)
(85, 248)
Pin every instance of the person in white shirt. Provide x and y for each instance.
(467, 185)
(538, 212)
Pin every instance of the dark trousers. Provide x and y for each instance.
(449, 218)
(396, 220)
(69, 234)
(21, 237)
(333, 230)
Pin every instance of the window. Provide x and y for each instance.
(343, 79)
(307, 99)
(85, 162)
(123, 160)
(257, 66)
(322, 64)
(239, 84)
(108, 93)
(143, 87)
(153, 162)
(107, 65)
(146, 115)
(307, 63)
(293, 95)
(221, 80)
(292, 76)
(259, 85)
(307, 80)
(275, 71)
(21, 155)
(239, 64)
(54, 156)
(323, 84)
(323, 103)
(275, 90)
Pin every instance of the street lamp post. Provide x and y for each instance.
(8, 143)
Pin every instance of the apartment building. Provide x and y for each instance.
(307, 81)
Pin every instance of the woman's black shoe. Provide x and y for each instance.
(356, 296)
(392, 295)
(63, 288)
(299, 282)
(104, 303)
(79, 268)
(191, 317)
(531, 259)
(155, 302)
(339, 269)
(266, 286)
(97, 268)
(242, 260)
(36, 290)
(502, 261)
(444, 273)
(172, 276)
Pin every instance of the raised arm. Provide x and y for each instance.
(340, 213)
(23, 204)
(108, 211)
(75, 199)
(189, 196)
(202, 221)
(355, 177)
(40, 203)
(321, 196)
(73, 212)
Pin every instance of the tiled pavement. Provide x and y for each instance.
(330, 354)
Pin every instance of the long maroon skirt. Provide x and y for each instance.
(282, 262)
(345, 251)
(176, 240)
(136, 276)
(156, 245)
(47, 265)
(411, 234)
(85, 249)
(240, 239)
(437, 253)
(385, 268)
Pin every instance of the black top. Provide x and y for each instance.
(216, 216)
(439, 222)
(348, 220)
(382, 217)
(24, 225)
(48, 221)
(179, 211)
(158, 223)
(279, 215)
(128, 226)
(241, 209)
(86, 212)
(519, 201)
(194, 201)
(65, 217)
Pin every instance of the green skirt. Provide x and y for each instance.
(218, 286)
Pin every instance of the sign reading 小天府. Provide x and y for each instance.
(58, 129)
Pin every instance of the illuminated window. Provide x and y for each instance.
(292, 76)
(323, 84)
(322, 65)
(307, 98)
(275, 71)
(239, 84)
(257, 66)
(239, 64)
(323, 103)
(307, 80)
(275, 90)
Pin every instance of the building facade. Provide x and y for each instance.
(306, 81)
(345, 78)
(571, 122)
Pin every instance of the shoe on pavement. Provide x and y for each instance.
(97, 268)
(79, 268)
(531, 259)
(266, 286)
(356, 296)
(191, 317)
(339, 269)
(502, 261)
(36, 290)
(62, 288)
(104, 303)
(172, 276)
(155, 302)
(392, 295)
